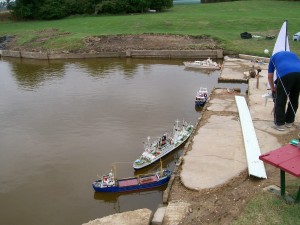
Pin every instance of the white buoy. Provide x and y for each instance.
(266, 51)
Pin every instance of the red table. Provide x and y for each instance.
(287, 159)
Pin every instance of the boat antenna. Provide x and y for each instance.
(115, 170)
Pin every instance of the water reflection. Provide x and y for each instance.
(105, 67)
(203, 71)
(117, 201)
(31, 75)
(114, 197)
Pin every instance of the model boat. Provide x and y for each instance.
(205, 64)
(108, 182)
(160, 147)
(201, 97)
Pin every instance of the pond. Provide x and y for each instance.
(63, 123)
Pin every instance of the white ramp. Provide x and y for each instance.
(255, 165)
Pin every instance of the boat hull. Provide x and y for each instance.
(205, 64)
(202, 67)
(201, 97)
(200, 103)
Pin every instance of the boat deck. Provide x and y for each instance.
(130, 182)
(136, 181)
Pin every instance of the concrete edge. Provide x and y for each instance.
(251, 57)
(180, 160)
(174, 54)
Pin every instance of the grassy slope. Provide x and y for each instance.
(223, 21)
(269, 209)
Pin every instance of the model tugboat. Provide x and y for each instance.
(201, 97)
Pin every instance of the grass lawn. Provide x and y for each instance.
(222, 21)
(269, 209)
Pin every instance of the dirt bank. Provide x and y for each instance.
(116, 43)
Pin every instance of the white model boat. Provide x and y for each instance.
(155, 150)
(201, 97)
(205, 64)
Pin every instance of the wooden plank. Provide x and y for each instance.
(255, 166)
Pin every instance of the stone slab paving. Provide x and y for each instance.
(175, 212)
(136, 217)
(217, 154)
(159, 216)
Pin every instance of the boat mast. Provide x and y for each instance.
(160, 167)
(177, 124)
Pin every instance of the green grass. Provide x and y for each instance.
(268, 209)
(222, 21)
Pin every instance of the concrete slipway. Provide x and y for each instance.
(217, 153)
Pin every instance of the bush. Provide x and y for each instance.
(56, 9)
(74, 7)
(52, 9)
(5, 16)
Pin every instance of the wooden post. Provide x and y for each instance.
(257, 77)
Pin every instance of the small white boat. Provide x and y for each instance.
(155, 150)
(205, 64)
(201, 97)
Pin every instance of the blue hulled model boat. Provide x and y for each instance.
(108, 183)
(201, 97)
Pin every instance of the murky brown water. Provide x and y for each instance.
(64, 122)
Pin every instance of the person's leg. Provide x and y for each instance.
(280, 101)
(294, 79)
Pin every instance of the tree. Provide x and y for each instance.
(139, 5)
(27, 9)
(159, 5)
(56, 9)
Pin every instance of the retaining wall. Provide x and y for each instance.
(172, 54)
